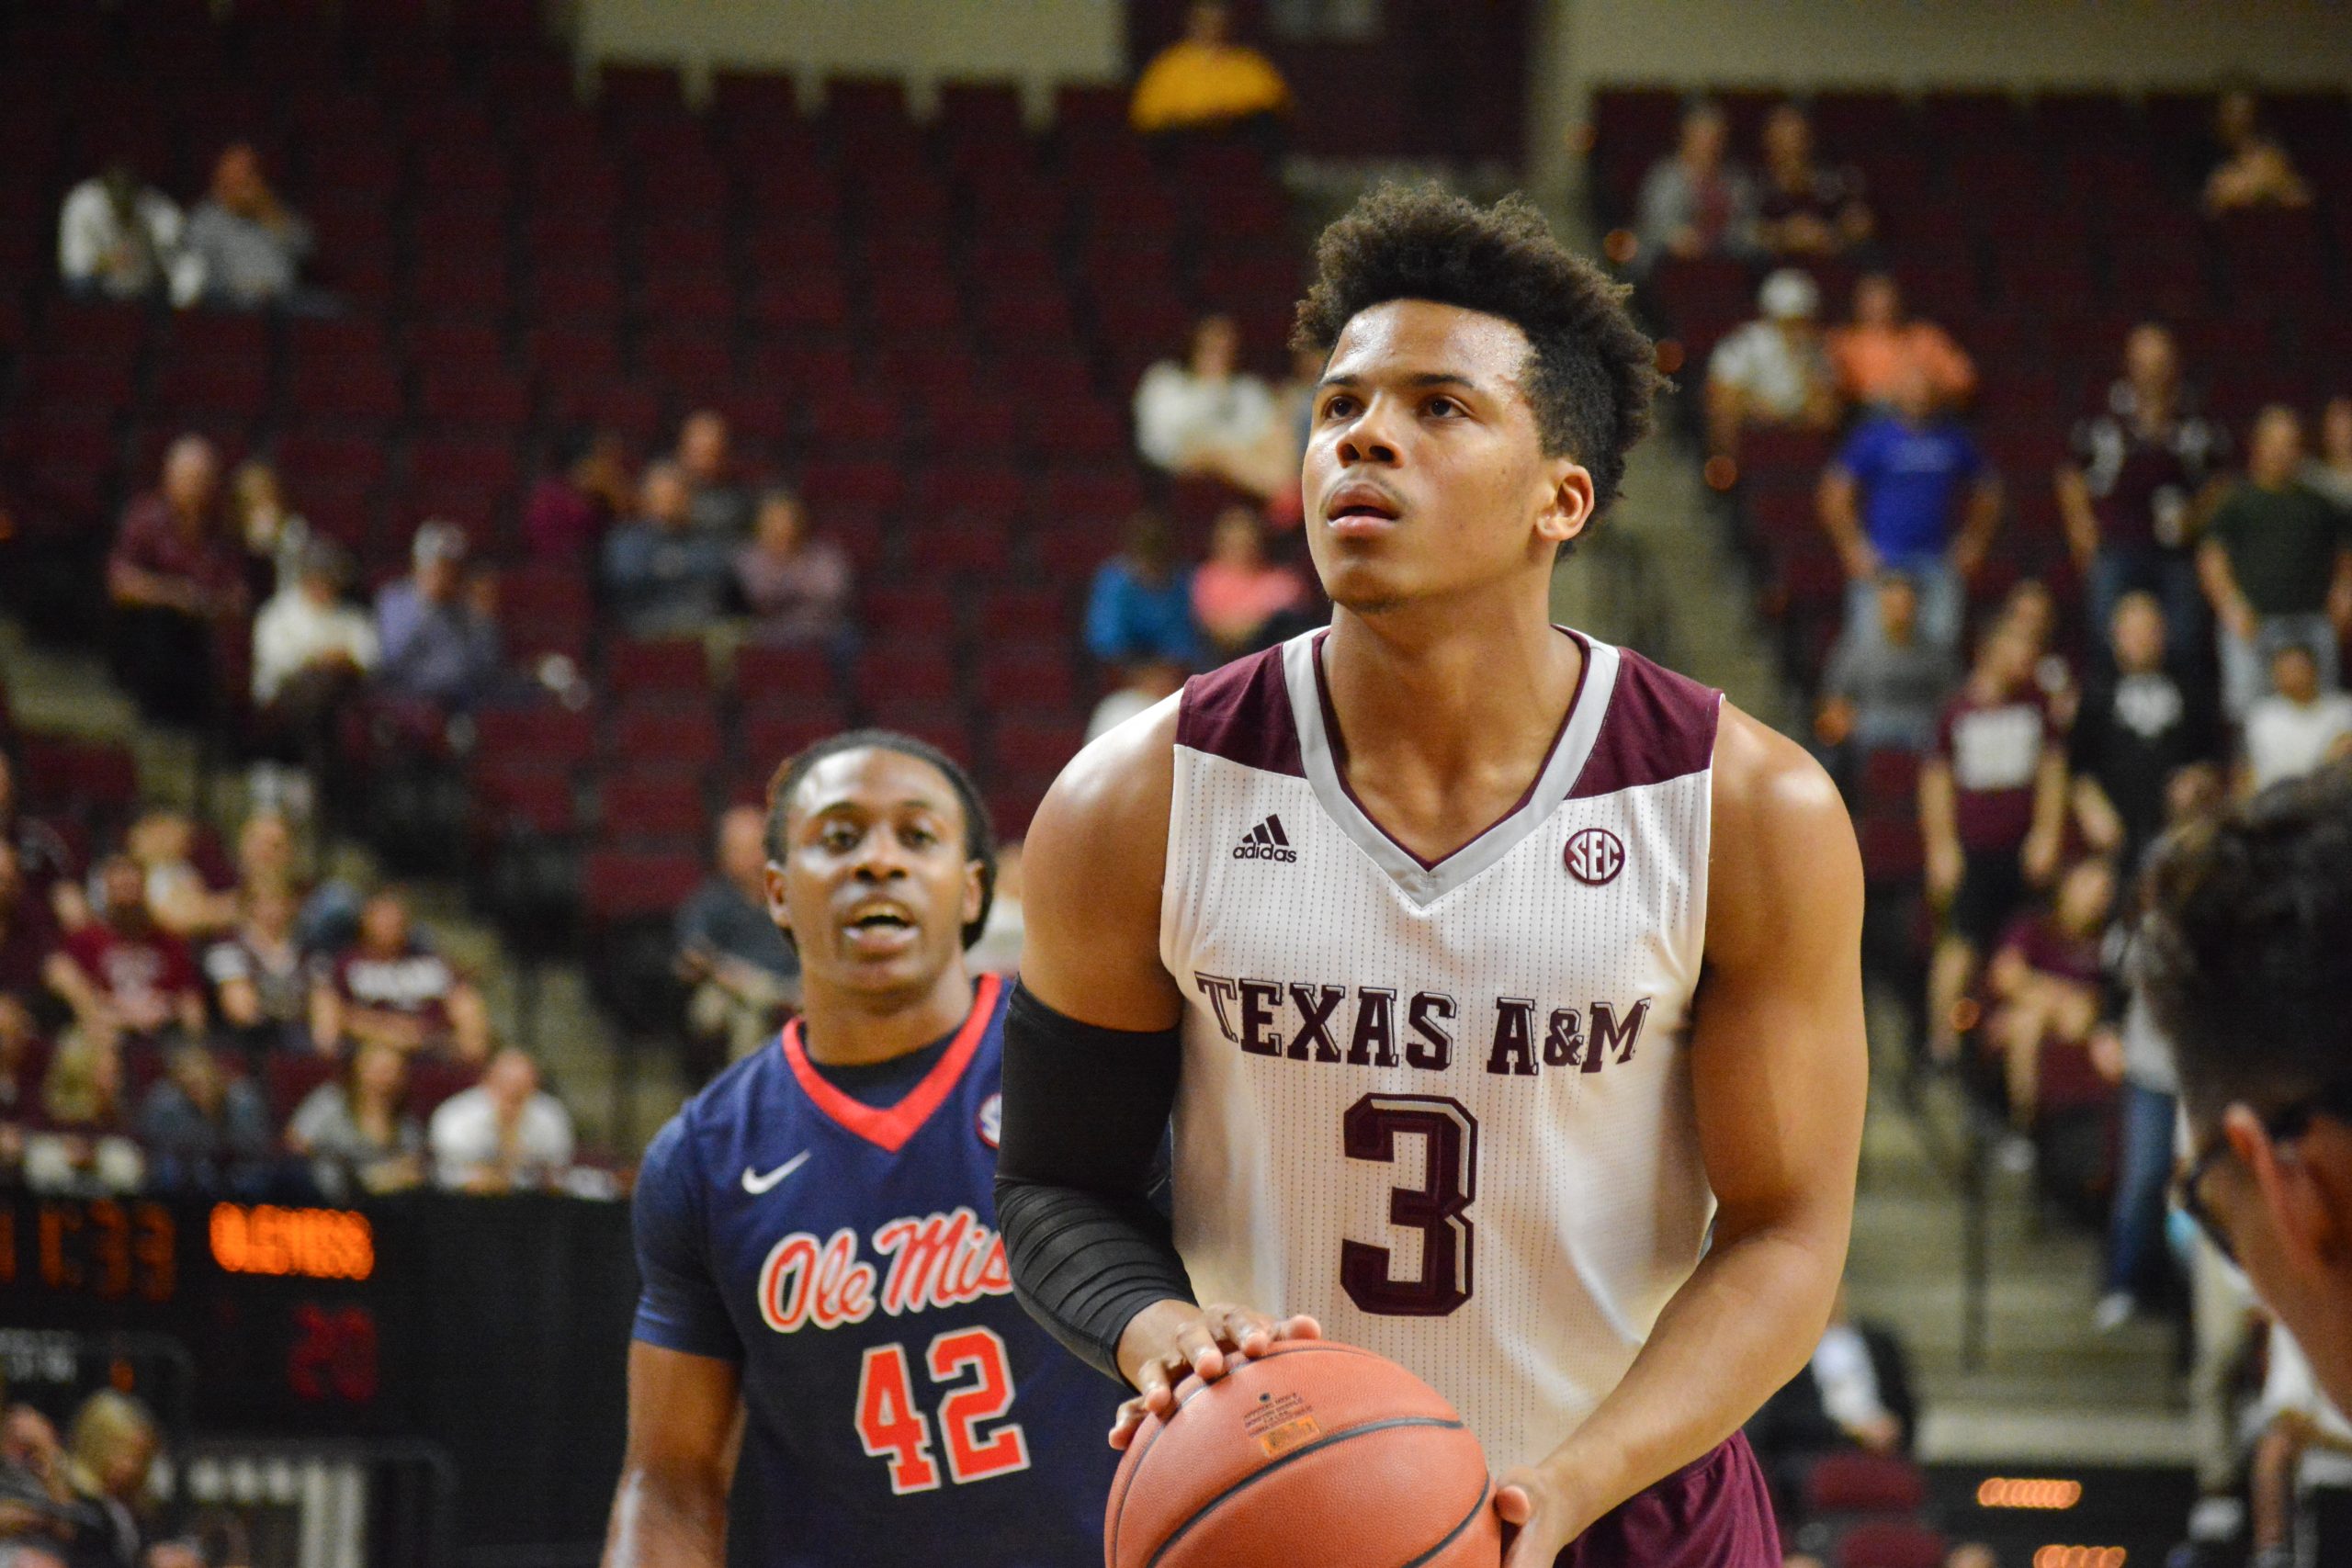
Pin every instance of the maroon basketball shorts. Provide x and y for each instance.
(1712, 1513)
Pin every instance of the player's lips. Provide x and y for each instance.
(879, 927)
(1359, 509)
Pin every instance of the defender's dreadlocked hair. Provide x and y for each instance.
(979, 837)
(1590, 374)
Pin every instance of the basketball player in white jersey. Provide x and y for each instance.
(1505, 986)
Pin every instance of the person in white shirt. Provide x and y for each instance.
(1208, 416)
(2296, 728)
(1775, 370)
(312, 652)
(503, 1135)
(120, 238)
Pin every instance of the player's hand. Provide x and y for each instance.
(1540, 1518)
(1172, 1340)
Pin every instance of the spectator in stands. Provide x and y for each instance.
(504, 1134)
(719, 502)
(2330, 472)
(1910, 491)
(1992, 812)
(27, 938)
(2046, 988)
(2135, 730)
(85, 1145)
(260, 980)
(1141, 684)
(2294, 1420)
(1141, 604)
(1886, 685)
(1883, 345)
(2139, 475)
(1773, 370)
(272, 534)
(390, 987)
(2298, 728)
(205, 1132)
(1207, 416)
(354, 1131)
(123, 974)
(570, 508)
(174, 579)
(1694, 202)
(744, 973)
(435, 632)
(1854, 1394)
(118, 238)
(1206, 82)
(1237, 591)
(2277, 563)
(799, 588)
(1803, 208)
(312, 652)
(44, 858)
(2255, 169)
(110, 1449)
(189, 889)
(250, 245)
(665, 576)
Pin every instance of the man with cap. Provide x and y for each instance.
(311, 649)
(1774, 370)
(1911, 492)
(439, 645)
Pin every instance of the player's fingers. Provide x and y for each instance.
(1128, 1423)
(1300, 1327)
(1514, 1504)
(1252, 1333)
(1196, 1342)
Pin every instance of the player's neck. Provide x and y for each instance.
(857, 1029)
(1456, 692)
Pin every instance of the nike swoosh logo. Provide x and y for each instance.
(756, 1184)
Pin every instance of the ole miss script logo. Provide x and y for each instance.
(1595, 856)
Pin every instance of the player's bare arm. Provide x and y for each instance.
(1779, 1067)
(669, 1510)
(1093, 864)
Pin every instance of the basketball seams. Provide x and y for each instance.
(1124, 1487)
(1329, 1440)
(1455, 1534)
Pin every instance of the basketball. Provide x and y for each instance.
(1315, 1452)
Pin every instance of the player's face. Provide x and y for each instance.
(873, 885)
(1424, 473)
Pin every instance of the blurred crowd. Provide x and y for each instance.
(86, 1498)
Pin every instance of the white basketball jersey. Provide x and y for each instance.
(1444, 1108)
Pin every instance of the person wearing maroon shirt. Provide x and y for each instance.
(2047, 983)
(571, 506)
(1992, 808)
(2134, 484)
(173, 577)
(390, 987)
(123, 974)
(49, 868)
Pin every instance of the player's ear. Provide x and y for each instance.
(2293, 1191)
(975, 889)
(1568, 501)
(771, 880)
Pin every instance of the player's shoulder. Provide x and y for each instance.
(1657, 724)
(741, 1094)
(1783, 846)
(1763, 779)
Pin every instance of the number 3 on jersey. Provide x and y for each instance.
(1437, 1208)
(890, 1426)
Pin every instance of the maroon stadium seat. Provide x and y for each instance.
(653, 808)
(1864, 1484)
(544, 736)
(624, 884)
(1891, 1543)
(649, 737)
(669, 671)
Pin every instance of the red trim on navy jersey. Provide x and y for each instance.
(890, 1128)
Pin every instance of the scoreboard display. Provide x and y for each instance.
(495, 1328)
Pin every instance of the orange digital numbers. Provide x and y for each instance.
(312, 1244)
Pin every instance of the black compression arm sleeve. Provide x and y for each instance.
(1084, 1108)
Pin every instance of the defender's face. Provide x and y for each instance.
(873, 885)
(1424, 471)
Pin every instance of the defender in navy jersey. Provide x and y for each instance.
(818, 1241)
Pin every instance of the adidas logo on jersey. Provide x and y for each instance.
(1266, 842)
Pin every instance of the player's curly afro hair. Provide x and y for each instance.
(1593, 372)
(979, 833)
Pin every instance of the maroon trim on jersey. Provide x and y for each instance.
(1338, 745)
(1661, 726)
(1241, 712)
(889, 1127)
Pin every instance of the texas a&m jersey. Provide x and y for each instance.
(1444, 1108)
(899, 1407)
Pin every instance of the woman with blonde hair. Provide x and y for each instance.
(85, 1146)
(109, 1449)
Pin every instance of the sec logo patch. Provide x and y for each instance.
(1595, 856)
(991, 1120)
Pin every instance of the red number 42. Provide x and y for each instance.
(890, 1426)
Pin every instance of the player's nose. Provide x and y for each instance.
(1368, 438)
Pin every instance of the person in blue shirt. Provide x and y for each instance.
(1141, 610)
(814, 1232)
(1911, 493)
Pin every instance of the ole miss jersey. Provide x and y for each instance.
(899, 1407)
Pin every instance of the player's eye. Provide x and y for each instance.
(920, 837)
(1443, 407)
(838, 838)
(1339, 405)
